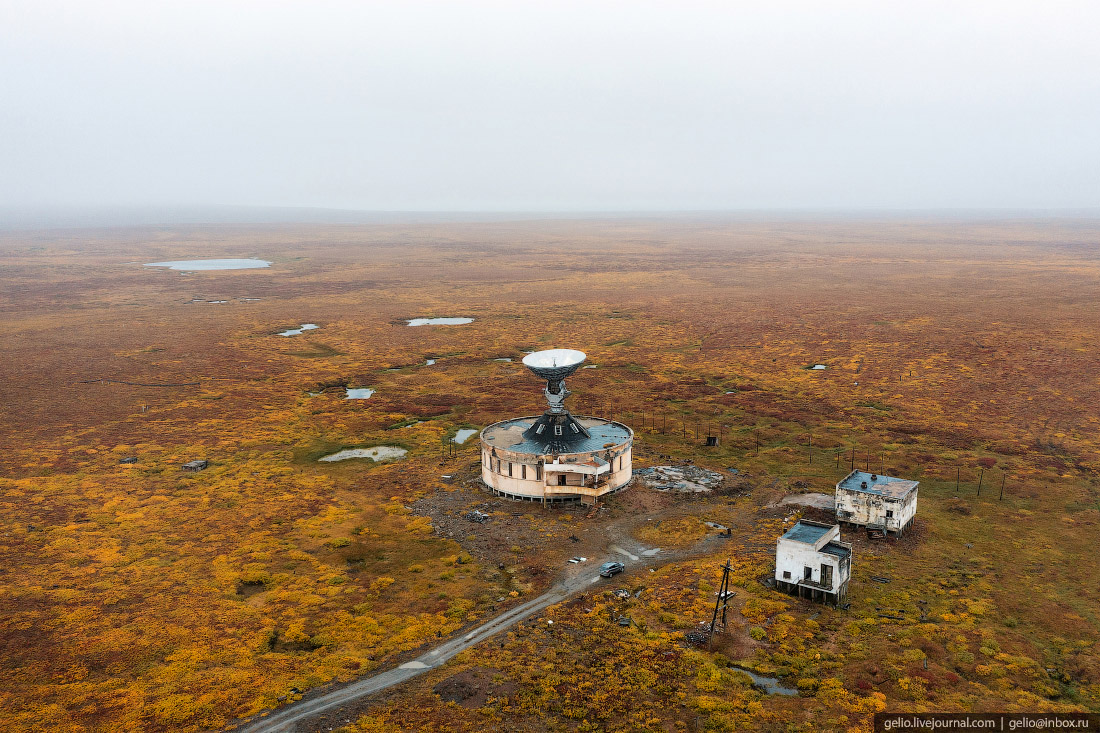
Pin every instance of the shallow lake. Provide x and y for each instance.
(377, 453)
(296, 331)
(439, 321)
(246, 264)
(359, 393)
(462, 435)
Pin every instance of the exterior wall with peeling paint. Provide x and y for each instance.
(587, 475)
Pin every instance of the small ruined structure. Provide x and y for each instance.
(880, 503)
(811, 562)
(556, 457)
(195, 465)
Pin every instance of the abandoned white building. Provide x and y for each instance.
(556, 457)
(880, 503)
(811, 562)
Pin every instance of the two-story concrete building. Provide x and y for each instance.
(877, 502)
(811, 562)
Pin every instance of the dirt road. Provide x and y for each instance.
(284, 720)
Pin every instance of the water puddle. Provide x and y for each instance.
(439, 321)
(296, 331)
(359, 393)
(819, 366)
(462, 435)
(244, 264)
(770, 685)
(377, 453)
(429, 362)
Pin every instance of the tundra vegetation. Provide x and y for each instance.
(142, 597)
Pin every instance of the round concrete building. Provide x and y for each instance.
(556, 457)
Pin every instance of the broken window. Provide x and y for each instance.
(561, 479)
(786, 575)
(827, 575)
(523, 471)
(509, 468)
(889, 513)
(807, 573)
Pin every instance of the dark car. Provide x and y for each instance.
(611, 568)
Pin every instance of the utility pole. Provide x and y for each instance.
(722, 601)
(1002, 488)
(980, 477)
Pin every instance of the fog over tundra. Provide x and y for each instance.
(567, 106)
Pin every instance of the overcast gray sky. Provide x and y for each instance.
(409, 105)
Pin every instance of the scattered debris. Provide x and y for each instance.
(128, 459)
(621, 593)
(695, 638)
(195, 465)
(683, 479)
(879, 579)
(476, 516)
(625, 621)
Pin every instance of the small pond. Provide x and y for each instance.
(359, 393)
(429, 362)
(463, 435)
(296, 331)
(769, 685)
(439, 321)
(377, 453)
(245, 264)
(819, 366)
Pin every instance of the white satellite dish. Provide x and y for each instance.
(553, 365)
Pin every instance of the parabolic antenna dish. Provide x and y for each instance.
(554, 364)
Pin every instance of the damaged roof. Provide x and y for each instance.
(509, 436)
(807, 532)
(889, 486)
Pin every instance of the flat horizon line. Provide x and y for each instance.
(63, 216)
